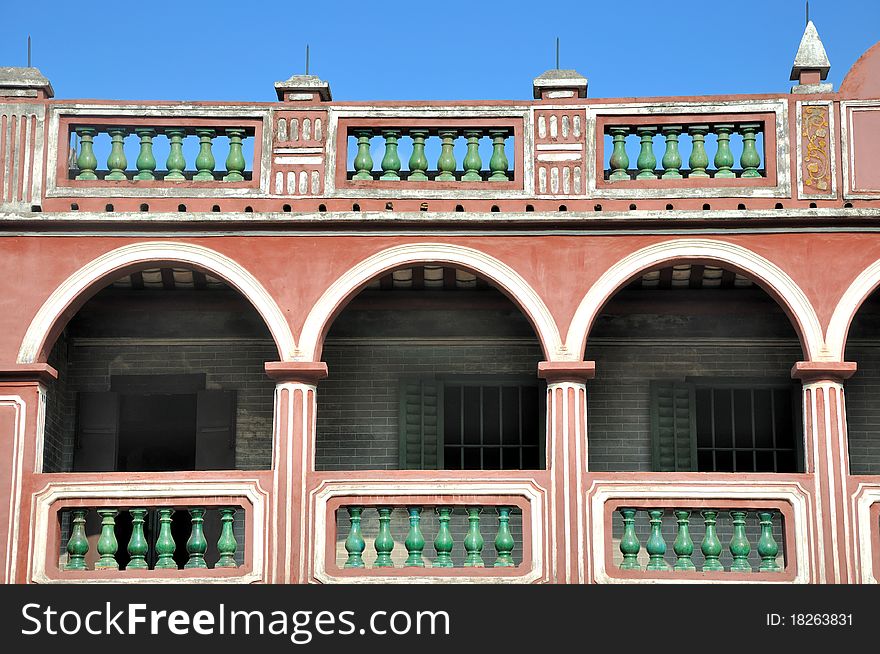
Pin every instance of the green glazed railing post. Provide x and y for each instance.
(391, 161)
(197, 544)
(473, 541)
(656, 546)
(698, 160)
(750, 158)
(384, 543)
(107, 545)
(116, 161)
(418, 162)
(711, 545)
(683, 545)
(619, 160)
(235, 163)
(78, 544)
(137, 544)
(176, 163)
(498, 161)
(472, 163)
(165, 541)
(205, 160)
(354, 543)
(739, 543)
(443, 542)
(629, 542)
(647, 161)
(504, 542)
(723, 155)
(87, 162)
(767, 546)
(363, 162)
(146, 162)
(446, 162)
(671, 156)
(226, 544)
(414, 542)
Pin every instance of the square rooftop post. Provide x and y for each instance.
(811, 64)
(556, 84)
(24, 83)
(303, 88)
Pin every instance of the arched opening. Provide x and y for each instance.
(161, 370)
(693, 375)
(431, 368)
(863, 388)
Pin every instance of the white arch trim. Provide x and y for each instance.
(838, 327)
(500, 273)
(765, 271)
(186, 253)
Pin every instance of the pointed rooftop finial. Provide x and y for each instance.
(811, 63)
(557, 53)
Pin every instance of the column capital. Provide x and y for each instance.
(813, 371)
(28, 372)
(304, 372)
(566, 371)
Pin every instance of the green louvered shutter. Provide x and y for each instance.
(673, 426)
(421, 424)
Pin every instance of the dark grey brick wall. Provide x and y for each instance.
(228, 366)
(862, 394)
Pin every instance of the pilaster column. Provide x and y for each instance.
(293, 458)
(567, 463)
(22, 418)
(826, 452)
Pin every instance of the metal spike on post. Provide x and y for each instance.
(808, 12)
(557, 53)
(307, 59)
(29, 51)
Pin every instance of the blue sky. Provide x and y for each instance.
(442, 50)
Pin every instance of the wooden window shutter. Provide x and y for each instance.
(421, 424)
(97, 432)
(215, 430)
(673, 426)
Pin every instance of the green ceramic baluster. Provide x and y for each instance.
(137, 544)
(176, 163)
(683, 545)
(473, 541)
(165, 541)
(107, 545)
(498, 161)
(196, 545)
(739, 543)
(78, 544)
(656, 546)
(711, 545)
(235, 162)
(391, 161)
(619, 161)
(87, 162)
(750, 158)
(647, 162)
(205, 160)
(415, 542)
(629, 542)
(354, 543)
(146, 162)
(384, 543)
(418, 162)
(472, 163)
(767, 546)
(226, 544)
(446, 163)
(698, 160)
(504, 542)
(363, 162)
(671, 156)
(443, 542)
(116, 161)
(723, 155)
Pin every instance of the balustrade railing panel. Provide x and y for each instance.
(428, 536)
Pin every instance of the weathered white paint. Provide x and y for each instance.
(103, 267)
(847, 156)
(864, 497)
(16, 465)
